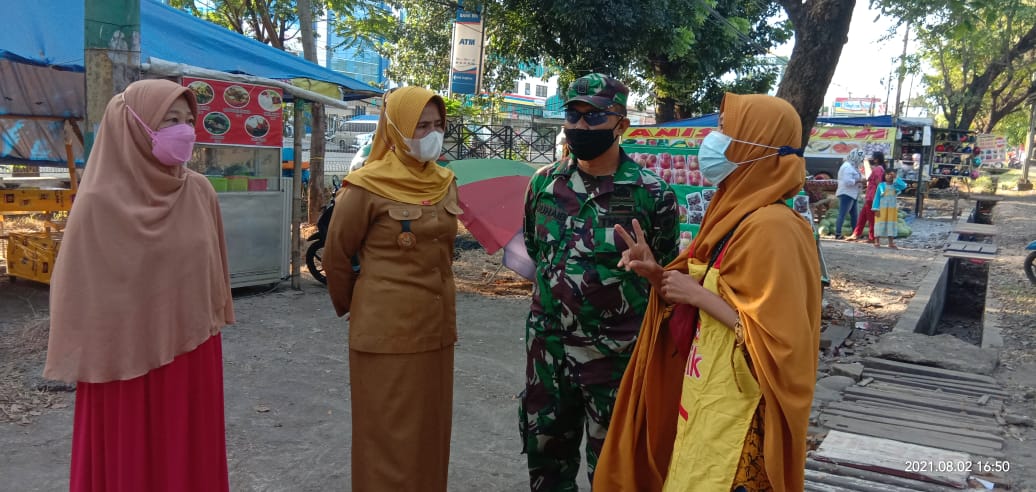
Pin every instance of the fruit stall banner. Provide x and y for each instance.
(234, 113)
(837, 142)
(992, 148)
(824, 141)
(672, 154)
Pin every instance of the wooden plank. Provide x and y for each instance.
(967, 255)
(973, 228)
(894, 458)
(876, 477)
(971, 247)
(913, 436)
(913, 400)
(906, 367)
(927, 415)
(963, 401)
(906, 419)
(934, 386)
(945, 428)
(977, 422)
(956, 399)
(945, 384)
(838, 482)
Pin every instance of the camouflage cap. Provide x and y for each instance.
(597, 90)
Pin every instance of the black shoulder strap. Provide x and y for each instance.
(722, 244)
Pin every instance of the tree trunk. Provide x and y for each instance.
(316, 142)
(317, 189)
(665, 110)
(821, 29)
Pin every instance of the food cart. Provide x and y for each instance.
(42, 80)
(239, 137)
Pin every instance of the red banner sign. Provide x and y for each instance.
(232, 113)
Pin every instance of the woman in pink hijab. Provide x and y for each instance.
(139, 293)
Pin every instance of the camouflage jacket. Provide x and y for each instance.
(569, 233)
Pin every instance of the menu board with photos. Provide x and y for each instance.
(234, 113)
(672, 154)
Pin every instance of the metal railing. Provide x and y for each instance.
(533, 143)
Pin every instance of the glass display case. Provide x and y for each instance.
(238, 169)
(256, 206)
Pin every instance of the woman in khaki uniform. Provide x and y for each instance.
(398, 216)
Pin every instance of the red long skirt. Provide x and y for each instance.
(159, 432)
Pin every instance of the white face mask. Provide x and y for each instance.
(427, 148)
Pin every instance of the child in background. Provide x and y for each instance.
(886, 209)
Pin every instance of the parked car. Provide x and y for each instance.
(343, 138)
(360, 158)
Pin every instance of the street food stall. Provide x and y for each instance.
(241, 84)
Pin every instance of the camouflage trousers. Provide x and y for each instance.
(570, 387)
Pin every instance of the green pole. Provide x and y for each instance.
(112, 54)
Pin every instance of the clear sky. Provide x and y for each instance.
(866, 59)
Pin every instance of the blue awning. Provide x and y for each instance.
(42, 65)
(32, 37)
(708, 120)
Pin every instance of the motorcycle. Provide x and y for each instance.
(315, 252)
(1030, 267)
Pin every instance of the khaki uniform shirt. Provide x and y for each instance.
(404, 298)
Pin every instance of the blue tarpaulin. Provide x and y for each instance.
(712, 120)
(42, 67)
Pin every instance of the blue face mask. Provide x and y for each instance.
(712, 156)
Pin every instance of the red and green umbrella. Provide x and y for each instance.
(492, 195)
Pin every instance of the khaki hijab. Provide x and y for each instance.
(142, 273)
(390, 172)
(774, 286)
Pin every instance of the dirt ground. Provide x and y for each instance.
(286, 373)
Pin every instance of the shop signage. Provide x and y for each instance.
(466, 60)
(233, 113)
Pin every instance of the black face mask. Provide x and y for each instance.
(588, 144)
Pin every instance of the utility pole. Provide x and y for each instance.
(111, 45)
(1030, 149)
(298, 108)
(902, 72)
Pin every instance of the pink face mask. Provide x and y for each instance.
(172, 145)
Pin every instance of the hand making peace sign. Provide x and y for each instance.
(638, 256)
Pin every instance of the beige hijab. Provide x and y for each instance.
(142, 273)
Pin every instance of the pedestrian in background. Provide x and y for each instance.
(586, 310)
(137, 301)
(876, 176)
(397, 215)
(746, 300)
(886, 209)
(849, 180)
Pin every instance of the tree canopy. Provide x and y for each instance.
(981, 54)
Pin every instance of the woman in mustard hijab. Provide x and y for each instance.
(397, 216)
(747, 295)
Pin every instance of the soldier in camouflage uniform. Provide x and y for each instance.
(586, 311)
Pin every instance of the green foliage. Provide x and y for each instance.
(680, 51)
(269, 21)
(981, 55)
